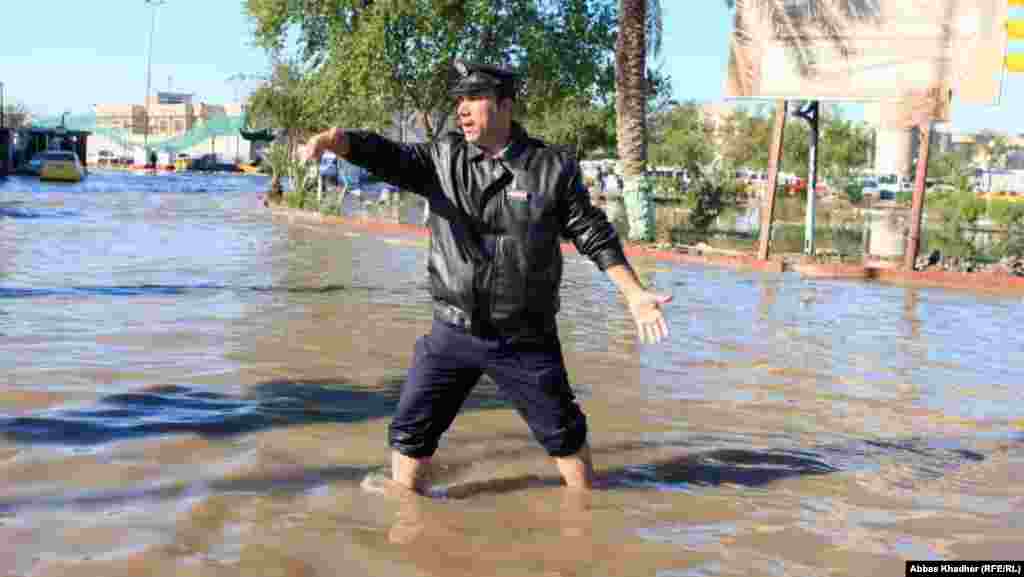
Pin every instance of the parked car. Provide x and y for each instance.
(798, 185)
(894, 184)
(105, 158)
(212, 163)
(61, 166)
(869, 187)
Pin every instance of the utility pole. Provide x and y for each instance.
(774, 162)
(917, 203)
(810, 113)
(149, 70)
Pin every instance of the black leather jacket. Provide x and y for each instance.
(495, 259)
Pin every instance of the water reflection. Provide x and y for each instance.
(913, 322)
(170, 409)
(768, 291)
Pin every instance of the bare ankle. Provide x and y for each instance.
(577, 470)
(410, 472)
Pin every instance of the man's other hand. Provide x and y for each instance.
(645, 307)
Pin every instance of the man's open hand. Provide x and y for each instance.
(645, 307)
(329, 140)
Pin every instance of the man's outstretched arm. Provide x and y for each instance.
(407, 166)
(595, 237)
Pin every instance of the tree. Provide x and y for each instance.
(281, 104)
(679, 137)
(746, 138)
(845, 146)
(998, 151)
(579, 124)
(952, 167)
(370, 61)
(802, 22)
(631, 95)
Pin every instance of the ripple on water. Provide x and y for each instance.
(20, 210)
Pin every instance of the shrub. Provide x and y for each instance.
(854, 192)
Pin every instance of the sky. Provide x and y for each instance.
(86, 55)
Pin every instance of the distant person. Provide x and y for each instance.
(500, 202)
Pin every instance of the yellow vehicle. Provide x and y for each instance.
(61, 166)
(183, 162)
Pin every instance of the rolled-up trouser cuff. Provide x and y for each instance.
(567, 441)
(411, 445)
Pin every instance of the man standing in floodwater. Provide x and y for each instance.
(500, 201)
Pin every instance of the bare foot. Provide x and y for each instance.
(382, 484)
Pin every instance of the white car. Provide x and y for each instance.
(869, 186)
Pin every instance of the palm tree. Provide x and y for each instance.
(639, 29)
(800, 23)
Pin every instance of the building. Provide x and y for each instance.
(176, 124)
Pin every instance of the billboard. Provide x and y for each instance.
(918, 52)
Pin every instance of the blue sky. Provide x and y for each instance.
(76, 54)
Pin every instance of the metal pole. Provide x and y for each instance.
(917, 205)
(810, 114)
(3, 106)
(774, 162)
(149, 72)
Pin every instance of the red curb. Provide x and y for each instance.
(832, 270)
(972, 281)
(879, 271)
(731, 261)
(367, 224)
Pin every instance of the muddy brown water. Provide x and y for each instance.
(193, 385)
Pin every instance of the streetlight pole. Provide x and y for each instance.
(810, 112)
(149, 71)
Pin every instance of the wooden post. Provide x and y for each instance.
(774, 162)
(917, 207)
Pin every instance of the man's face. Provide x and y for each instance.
(481, 117)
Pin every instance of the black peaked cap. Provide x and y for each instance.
(470, 79)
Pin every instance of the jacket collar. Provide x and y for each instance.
(512, 152)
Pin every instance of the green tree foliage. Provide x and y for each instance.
(845, 147)
(746, 137)
(680, 136)
(854, 192)
(952, 168)
(281, 103)
(370, 60)
(957, 213)
(999, 151)
(712, 192)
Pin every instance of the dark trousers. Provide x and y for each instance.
(447, 364)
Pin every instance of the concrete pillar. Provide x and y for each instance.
(893, 148)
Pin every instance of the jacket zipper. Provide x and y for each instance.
(495, 271)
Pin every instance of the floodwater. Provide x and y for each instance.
(191, 384)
